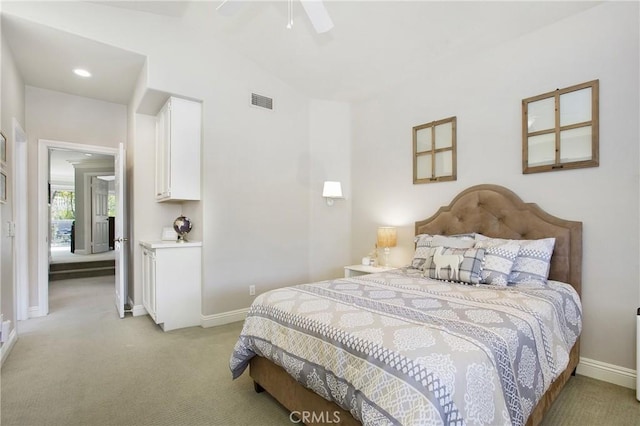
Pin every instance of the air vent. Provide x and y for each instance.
(261, 101)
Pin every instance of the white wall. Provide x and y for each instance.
(11, 106)
(485, 92)
(255, 205)
(257, 185)
(66, 118)
(261, 184)
(329, 159)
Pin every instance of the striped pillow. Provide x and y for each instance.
(533, 261)
(498, 262)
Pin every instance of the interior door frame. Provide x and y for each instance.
(44, 145)
(20, 218)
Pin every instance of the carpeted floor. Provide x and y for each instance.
(81, 365)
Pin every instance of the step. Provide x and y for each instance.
(55, 267)
(67, 275)
(81, 273)
(97, 268)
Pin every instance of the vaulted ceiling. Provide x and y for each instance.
(372, 45)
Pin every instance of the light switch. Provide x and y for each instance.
(11, 228)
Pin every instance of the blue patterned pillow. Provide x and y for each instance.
(453, 264)
(533, 261)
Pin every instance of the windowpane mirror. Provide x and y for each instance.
(434, 151)
(542, 149)
(560, 129)
(542, 115)
(424, 170)
(423, 140)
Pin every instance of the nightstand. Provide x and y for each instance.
(355, 270)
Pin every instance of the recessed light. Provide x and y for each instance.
(82, 72)
(88, 155)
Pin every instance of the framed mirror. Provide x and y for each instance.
(434, 151)
(560, 129)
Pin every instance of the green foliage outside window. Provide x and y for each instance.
(112, 205)
(63, 205)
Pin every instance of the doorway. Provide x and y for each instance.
(97, 161)
(81, 214)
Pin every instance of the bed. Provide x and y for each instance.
(365, 356)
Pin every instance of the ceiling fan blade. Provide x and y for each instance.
(318, 15)
(229, 7)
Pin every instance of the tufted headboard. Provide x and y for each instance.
(497, 212)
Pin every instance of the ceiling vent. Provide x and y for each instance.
(261, 101)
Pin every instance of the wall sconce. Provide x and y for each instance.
(331, 191)
(387, 237)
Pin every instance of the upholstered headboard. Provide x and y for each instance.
(497, 212)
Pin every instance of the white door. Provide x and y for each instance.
(99, 215)
(121, 241)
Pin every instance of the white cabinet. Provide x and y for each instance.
(172, 283)
(178, 140)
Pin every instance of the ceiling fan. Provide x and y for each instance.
(315, 10)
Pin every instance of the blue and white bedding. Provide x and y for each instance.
(397, 348)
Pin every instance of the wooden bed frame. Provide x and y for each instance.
(493, 211)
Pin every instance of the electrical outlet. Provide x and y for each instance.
(252, 290)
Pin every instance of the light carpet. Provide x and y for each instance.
(81, 365)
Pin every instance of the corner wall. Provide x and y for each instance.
(12, 101)
(485, 93)
(66, 118)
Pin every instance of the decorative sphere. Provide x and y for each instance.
(182, 225)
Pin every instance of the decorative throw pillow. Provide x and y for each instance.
(533, 261)
(453, 264)
(424, 242)
(498, 262)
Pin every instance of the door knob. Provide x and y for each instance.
(121, 239)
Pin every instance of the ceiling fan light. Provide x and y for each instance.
(318, 15)
(82, 72)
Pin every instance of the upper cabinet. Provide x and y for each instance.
(178, 141)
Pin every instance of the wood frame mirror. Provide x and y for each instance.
(434, 151)
(560, 129)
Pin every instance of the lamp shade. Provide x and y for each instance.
(332, 190)
(387, 236)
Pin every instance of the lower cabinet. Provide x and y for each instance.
(172, 283)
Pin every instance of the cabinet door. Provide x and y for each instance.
(149, 282)
(163, 152)
(185, 136)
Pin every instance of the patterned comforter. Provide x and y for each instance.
(396, 348)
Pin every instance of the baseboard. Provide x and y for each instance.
(607, 372)
(8, 345)
(224, 318)
(34, 312)
(138, 311)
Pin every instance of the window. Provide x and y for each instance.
(63, 206)
(434, 151)
(560, 129)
